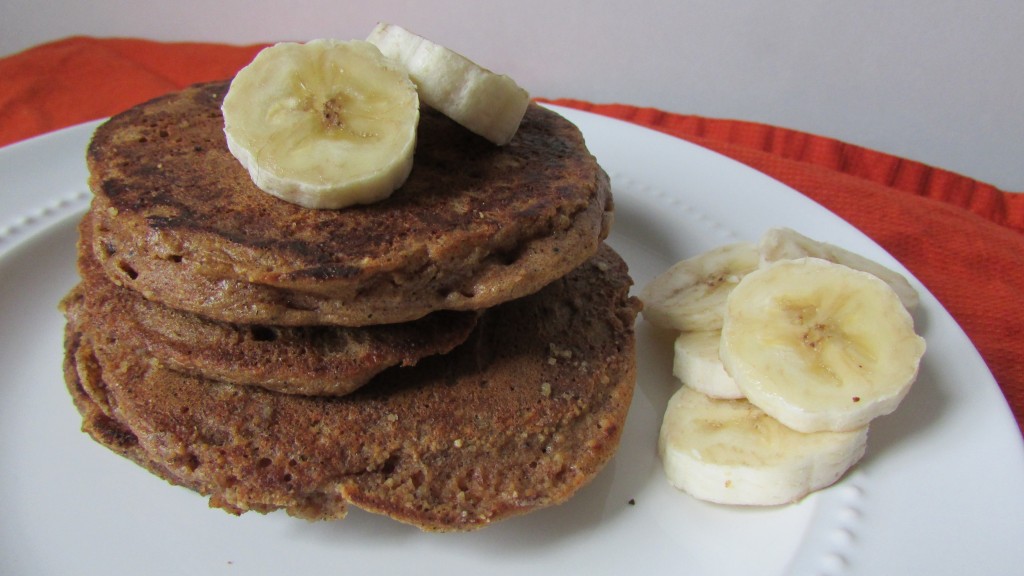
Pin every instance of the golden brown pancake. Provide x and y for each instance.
(83, 378)
(178, 219)
(315, 360)
(519, 417)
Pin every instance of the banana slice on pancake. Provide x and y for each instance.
(325, 124)
(489, 104)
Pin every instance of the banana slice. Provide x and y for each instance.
(818, 345)
(489, 104)
(731, 452)
(326, 124)
(787, 244)
(690, 296)
(697, 365)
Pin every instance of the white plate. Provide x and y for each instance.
(941, 490)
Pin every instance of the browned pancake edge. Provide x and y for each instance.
(177, 218)
(312, 360)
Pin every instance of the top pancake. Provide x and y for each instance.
(178, 219)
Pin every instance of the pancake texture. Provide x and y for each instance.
(519, 417)
(459, 353)
(311, 360)
(177, 219)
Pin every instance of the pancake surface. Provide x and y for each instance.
(178, 219)
(312, 360)
(519, 417)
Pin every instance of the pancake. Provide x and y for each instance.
(314, 360)
(82, 377)
(178, 219)
(520, 417)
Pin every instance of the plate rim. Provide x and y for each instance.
(51, 211)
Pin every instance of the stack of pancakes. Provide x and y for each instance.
(459, 353)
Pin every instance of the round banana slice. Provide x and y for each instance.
(690, 296)
(489, 104)
(818, 345)
(325, 124)
(731, 452)
(788, 244)
(696, 364)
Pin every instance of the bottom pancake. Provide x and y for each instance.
(80, 370)
(519, 417)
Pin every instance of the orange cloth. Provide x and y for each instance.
(80, 79)
(963, 239)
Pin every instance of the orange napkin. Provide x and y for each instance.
(963, 239)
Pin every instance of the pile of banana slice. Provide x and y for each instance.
(330, 124)
(787, 349)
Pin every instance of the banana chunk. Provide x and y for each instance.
(690, 296)
(696, 364)
(731, 452)
(325, 124)
(489, 104)
(788, 244)
(818, 345)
